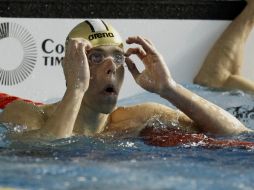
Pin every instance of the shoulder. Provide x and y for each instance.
(146, 111)
(24, 113)
(142, 111)
(145, 107)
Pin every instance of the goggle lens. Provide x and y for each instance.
(98, 58)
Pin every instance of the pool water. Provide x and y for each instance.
(87, 163)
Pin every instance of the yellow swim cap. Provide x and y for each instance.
(97, 32)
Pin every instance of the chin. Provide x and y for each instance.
(107, 109)
(107, 104)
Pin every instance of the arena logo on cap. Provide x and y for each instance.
(14, 76)
(101, 35)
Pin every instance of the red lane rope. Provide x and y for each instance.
(166, 137)
(6, 99)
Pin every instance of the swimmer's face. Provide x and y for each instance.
(106, 77)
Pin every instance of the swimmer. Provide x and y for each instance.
(94, 72)
(222, 66)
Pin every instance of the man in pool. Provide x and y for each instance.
(94, 72)
(222, 67)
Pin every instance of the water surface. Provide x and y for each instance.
(87, 163)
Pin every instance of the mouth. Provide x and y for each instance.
(110, 90)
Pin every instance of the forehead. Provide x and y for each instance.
(107, 49)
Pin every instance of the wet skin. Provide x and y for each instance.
(89, 108)
(223, 64)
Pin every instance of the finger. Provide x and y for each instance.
(81, 49)
(72, 48)
(68, 48)
(88, 46)
(132, 68)
(82, 58)
(141, 41)
(137, 51)
(63, 61)
(74, 45)
(86, 43)
(149, 41)
(63, 66)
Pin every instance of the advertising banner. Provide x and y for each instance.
(31, 51)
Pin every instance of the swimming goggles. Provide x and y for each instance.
(98, 57)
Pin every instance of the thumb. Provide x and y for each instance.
(132, 68)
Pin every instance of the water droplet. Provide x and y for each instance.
(81, 178)
(94, 179)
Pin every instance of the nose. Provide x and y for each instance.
(110, 66)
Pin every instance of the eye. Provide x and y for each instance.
(118, 58)
(96, 58)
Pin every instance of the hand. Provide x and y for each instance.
(156, 75)
(75, 64)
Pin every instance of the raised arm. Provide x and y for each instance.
(77, 75)
(156, 78)
(59, 123)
